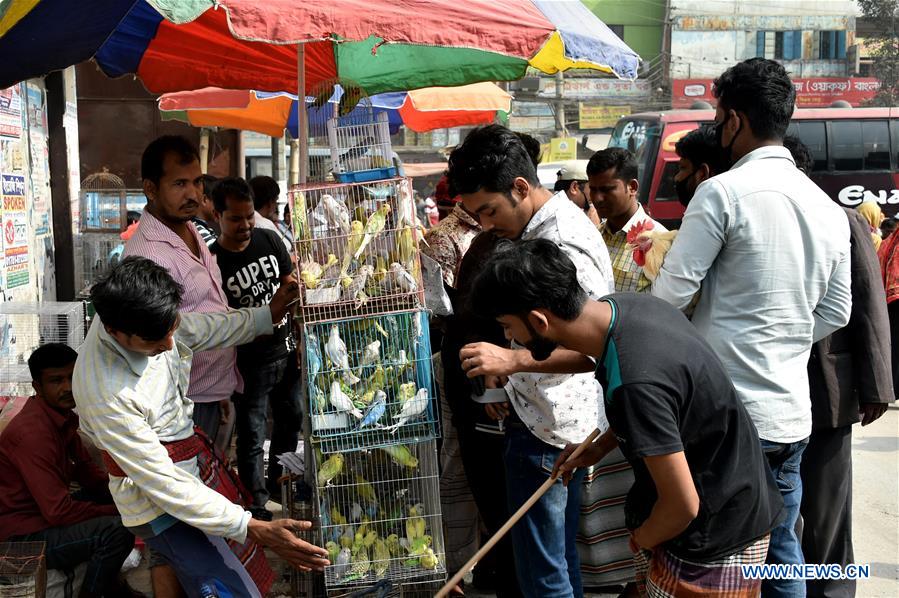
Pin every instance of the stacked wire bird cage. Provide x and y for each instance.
(380, 515)
(23, 570)
(357, 247)
(367, 354)
(24, 326)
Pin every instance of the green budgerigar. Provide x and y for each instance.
(365, 490)
(429, 560)
(333, 550)
(330, 469)
(360, 565)
(401, 455)
(375, 225)
(415, 525)
(393, 545)
(380, 557)
(357, 232)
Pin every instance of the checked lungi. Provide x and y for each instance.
(216, 475)
(660, 574)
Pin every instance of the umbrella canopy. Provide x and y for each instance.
(270, 113)
(175, 45)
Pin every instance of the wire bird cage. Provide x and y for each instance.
(23, 570)
(380, 515)
(370, 382)
(357, 247)
(24, 326)
(345, 127)
(106, 207)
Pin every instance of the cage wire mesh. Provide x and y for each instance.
(380, 515)
(369, 381)
(23, 570)
(24, 326)
(357, 247)
(348, 138)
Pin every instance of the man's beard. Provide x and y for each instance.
(539, 346)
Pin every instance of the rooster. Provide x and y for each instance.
(650, 247)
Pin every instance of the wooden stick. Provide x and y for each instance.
(445, 590)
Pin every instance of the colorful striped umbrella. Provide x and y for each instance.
(271, 113)
(380, 45)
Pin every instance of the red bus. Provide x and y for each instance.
(856, 153)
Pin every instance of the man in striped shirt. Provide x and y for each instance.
(173, 184)
(130, 384)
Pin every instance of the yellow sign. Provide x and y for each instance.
(600, 117)
(561, 149)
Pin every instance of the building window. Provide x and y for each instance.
(617, 30)
(832, 45)
(788, 45)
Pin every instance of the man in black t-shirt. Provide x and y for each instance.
(703, 500)
(254, 263)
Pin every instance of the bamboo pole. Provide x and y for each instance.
(445, 590)
(204, 150)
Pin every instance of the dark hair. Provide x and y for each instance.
(209, 182)
(51, 355)
(532, 146)
(490, 158)
(151, 162)
(761, 89)
(888, 226)
(138, 296)
(523, 276)
(700, 146)
(132, 216)
(622, 160)
(231, 187)
(265, 190)
(802, 155)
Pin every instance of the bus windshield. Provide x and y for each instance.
(641, 137)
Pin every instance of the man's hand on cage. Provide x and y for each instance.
(286, 295)
(280, 536)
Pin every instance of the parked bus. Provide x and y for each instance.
(856, 154)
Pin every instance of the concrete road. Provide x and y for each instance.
(875, 508)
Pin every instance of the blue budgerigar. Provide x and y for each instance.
(375, 411)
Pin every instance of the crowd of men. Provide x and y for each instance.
(725, 435)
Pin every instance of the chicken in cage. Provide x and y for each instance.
(370, 381)
(358, 249)
(24, 326)
(380, 515)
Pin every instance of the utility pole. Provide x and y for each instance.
(560, 106)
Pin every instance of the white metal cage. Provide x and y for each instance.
(24, 326)
(380, 515)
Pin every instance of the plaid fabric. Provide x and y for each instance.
(216, 474)
(660, 574)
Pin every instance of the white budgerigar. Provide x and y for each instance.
(342, 402)
(371, 354)
(402, 280)
(336, 351)
(336, 212)
(343, 563)
(411, 409)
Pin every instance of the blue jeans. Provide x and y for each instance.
(273, 383)
(785, 547)
(546, 557)
(201, 560)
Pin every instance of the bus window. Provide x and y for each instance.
(812, 134)
(641, 137)
(846, 137)
(876, 140)
(666, 191)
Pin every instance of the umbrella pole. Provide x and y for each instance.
(204, 150)
(302, 123)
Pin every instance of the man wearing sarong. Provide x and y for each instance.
(703, 501)
(130, 385)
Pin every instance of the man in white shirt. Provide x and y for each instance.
(770, 251)
(552, 405)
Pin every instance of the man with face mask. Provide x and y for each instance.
(551, 406)
(700, 160)
(771, 253)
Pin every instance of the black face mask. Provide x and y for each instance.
(727, 152)
(539, 346)
(684, 195)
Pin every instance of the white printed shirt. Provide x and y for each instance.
(130, 403)
(565, 408)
